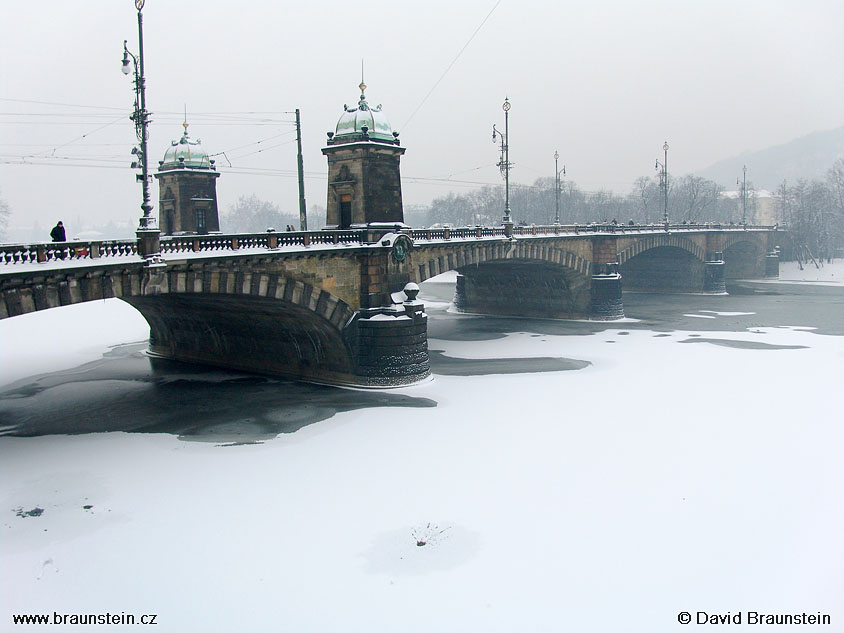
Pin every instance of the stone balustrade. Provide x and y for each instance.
(65, 251)
(76, 250)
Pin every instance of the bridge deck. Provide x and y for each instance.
(45, 256)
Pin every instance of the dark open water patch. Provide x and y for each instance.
(128, 391)
(35, 512)
(741, 344)
(772, 305)
(450, 366)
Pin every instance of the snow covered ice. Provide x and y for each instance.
(646, 477)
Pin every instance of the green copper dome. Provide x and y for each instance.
(186, 153)
(363, 123)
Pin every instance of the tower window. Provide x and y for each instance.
(200, 221)
(345, 211)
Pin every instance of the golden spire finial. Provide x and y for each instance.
(185, 124)
(362, 85)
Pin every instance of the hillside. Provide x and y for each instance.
(807, 157)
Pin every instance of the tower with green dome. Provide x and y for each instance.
(364, 181)
(187, 189)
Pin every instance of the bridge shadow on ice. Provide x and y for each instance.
(128, 391)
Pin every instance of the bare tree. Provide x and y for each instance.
(835, 181)
(5, 213)
(250, 214)
(694, 198)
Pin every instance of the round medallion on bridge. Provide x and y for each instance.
(399, 251)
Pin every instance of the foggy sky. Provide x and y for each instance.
(604, 83)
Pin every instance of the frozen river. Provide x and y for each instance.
(553, 476)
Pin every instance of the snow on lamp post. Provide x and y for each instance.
(504, 163)
(148, 232)
(557, 183)
(743, 185)
(663, 177)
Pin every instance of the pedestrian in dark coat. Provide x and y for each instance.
(58, 234)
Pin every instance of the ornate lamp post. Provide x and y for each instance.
(557, 183)
(743, 185)
(663, 177)
(504, 163)
(148, 232)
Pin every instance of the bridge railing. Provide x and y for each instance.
(449, 233)
(269, 240)
(65, 251)
(78, 250)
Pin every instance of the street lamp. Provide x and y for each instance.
(557, 183)
(148, 233)
(663, 177)
(743, 185)
(504, 163)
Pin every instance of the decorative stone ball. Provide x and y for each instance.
(411, 290)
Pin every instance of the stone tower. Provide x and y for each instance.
(364, 183)
(187, 189)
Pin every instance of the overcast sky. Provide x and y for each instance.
(605, 83)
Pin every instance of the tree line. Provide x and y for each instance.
(691, 199)
(810, 212)
(250, 214)
(813, 213)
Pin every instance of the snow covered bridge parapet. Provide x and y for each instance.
(336, 307)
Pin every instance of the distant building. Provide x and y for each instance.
(761, 206)
(187, 189)
(364, 182)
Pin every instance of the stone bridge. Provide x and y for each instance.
(340, 306)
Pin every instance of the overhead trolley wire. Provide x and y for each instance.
(453, 61)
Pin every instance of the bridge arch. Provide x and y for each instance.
(430, 262)
(275, 287)
(251, 321)
(662, 240)
(521, 278)
(744, 256)
(664, 268)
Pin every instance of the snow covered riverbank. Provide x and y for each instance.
(673, 471)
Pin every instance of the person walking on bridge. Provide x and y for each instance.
(58, 234)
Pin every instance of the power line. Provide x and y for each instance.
(55, 103)
(269, 138)
(79, 138)
(453, 61)
(280, 173)
(55, 164)
(53, 145)
(122, 108)
(263, 149)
